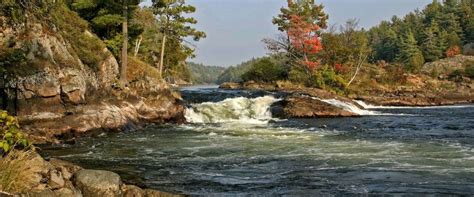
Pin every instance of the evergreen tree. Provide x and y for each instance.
(431, 45)
(386, 46)
(466, 16)
(106, 18)
(432, 12)
(175, 27)
(410, 54)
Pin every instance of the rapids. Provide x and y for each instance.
(233, 147)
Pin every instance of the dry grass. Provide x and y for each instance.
(15, 171)
(138, 70)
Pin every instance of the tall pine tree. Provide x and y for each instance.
(175, 26)
(410, 54)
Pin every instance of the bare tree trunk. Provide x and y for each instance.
(123, 71)
(137, 45)
(163, 44)
(361, 61)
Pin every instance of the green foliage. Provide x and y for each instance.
(172, 17)
(435, 28)
(298, 75)
(234, 73)
(326, 78)
(10, 136)
(469, 69)
(105, 18)
(265, 70)
(304, 9)
(11, 59)
(410, 54)
(74, 29)
(18, 11)
(346, 47)
(456, 75)
(323, 78)
(202, 74)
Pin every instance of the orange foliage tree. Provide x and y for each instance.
(304, 38)
(453, 51)
(302, 23)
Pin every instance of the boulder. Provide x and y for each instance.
(56, 179)
(67, 169)
(94, 183)
(307, 107)
(468, 49)
(132, 191)
(230, 85)
(155, 193)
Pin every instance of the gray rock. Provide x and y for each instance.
(43, 193)
(94, 183)
(63, 192)
(132, 191)
(155, 193)
(56, 179)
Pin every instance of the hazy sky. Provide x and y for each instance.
(235, 28)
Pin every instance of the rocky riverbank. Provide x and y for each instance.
(304, 102)
(57, 96)
(41, 178)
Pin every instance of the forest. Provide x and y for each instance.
(311, 52)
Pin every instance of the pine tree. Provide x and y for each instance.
(109, 21)
(410, 54)
(466, 15)
(432, 50)
(175, 26)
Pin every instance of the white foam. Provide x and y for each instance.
(349, 107)
(369, 106)
(241, 109)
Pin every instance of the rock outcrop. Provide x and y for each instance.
(307, 107)
(57, 96)
(230, 85)
(64, 179)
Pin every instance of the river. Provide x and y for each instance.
(232, 146)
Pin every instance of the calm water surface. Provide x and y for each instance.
(241, 150)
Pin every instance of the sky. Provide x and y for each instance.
(235, 28)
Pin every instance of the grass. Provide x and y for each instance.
(89, 48)
(15, 171)
(139, 70)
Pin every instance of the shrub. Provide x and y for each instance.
(299, 76)
(264, 71)
(10, 135)
(73, 28)
(456, 75)
(327, 78)
(15, 171)
(469, 69)
(415, 62)
(453, 51)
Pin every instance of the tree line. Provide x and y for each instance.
(330, 57)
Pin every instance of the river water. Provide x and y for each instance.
(233, 146)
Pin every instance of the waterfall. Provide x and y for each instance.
(349, 107)
(241, 109)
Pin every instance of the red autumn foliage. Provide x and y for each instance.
(453, 51)
(311, 65)
(340, 68)
(305, 39)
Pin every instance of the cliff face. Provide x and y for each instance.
(55, 93)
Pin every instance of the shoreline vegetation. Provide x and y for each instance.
(60, 63)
